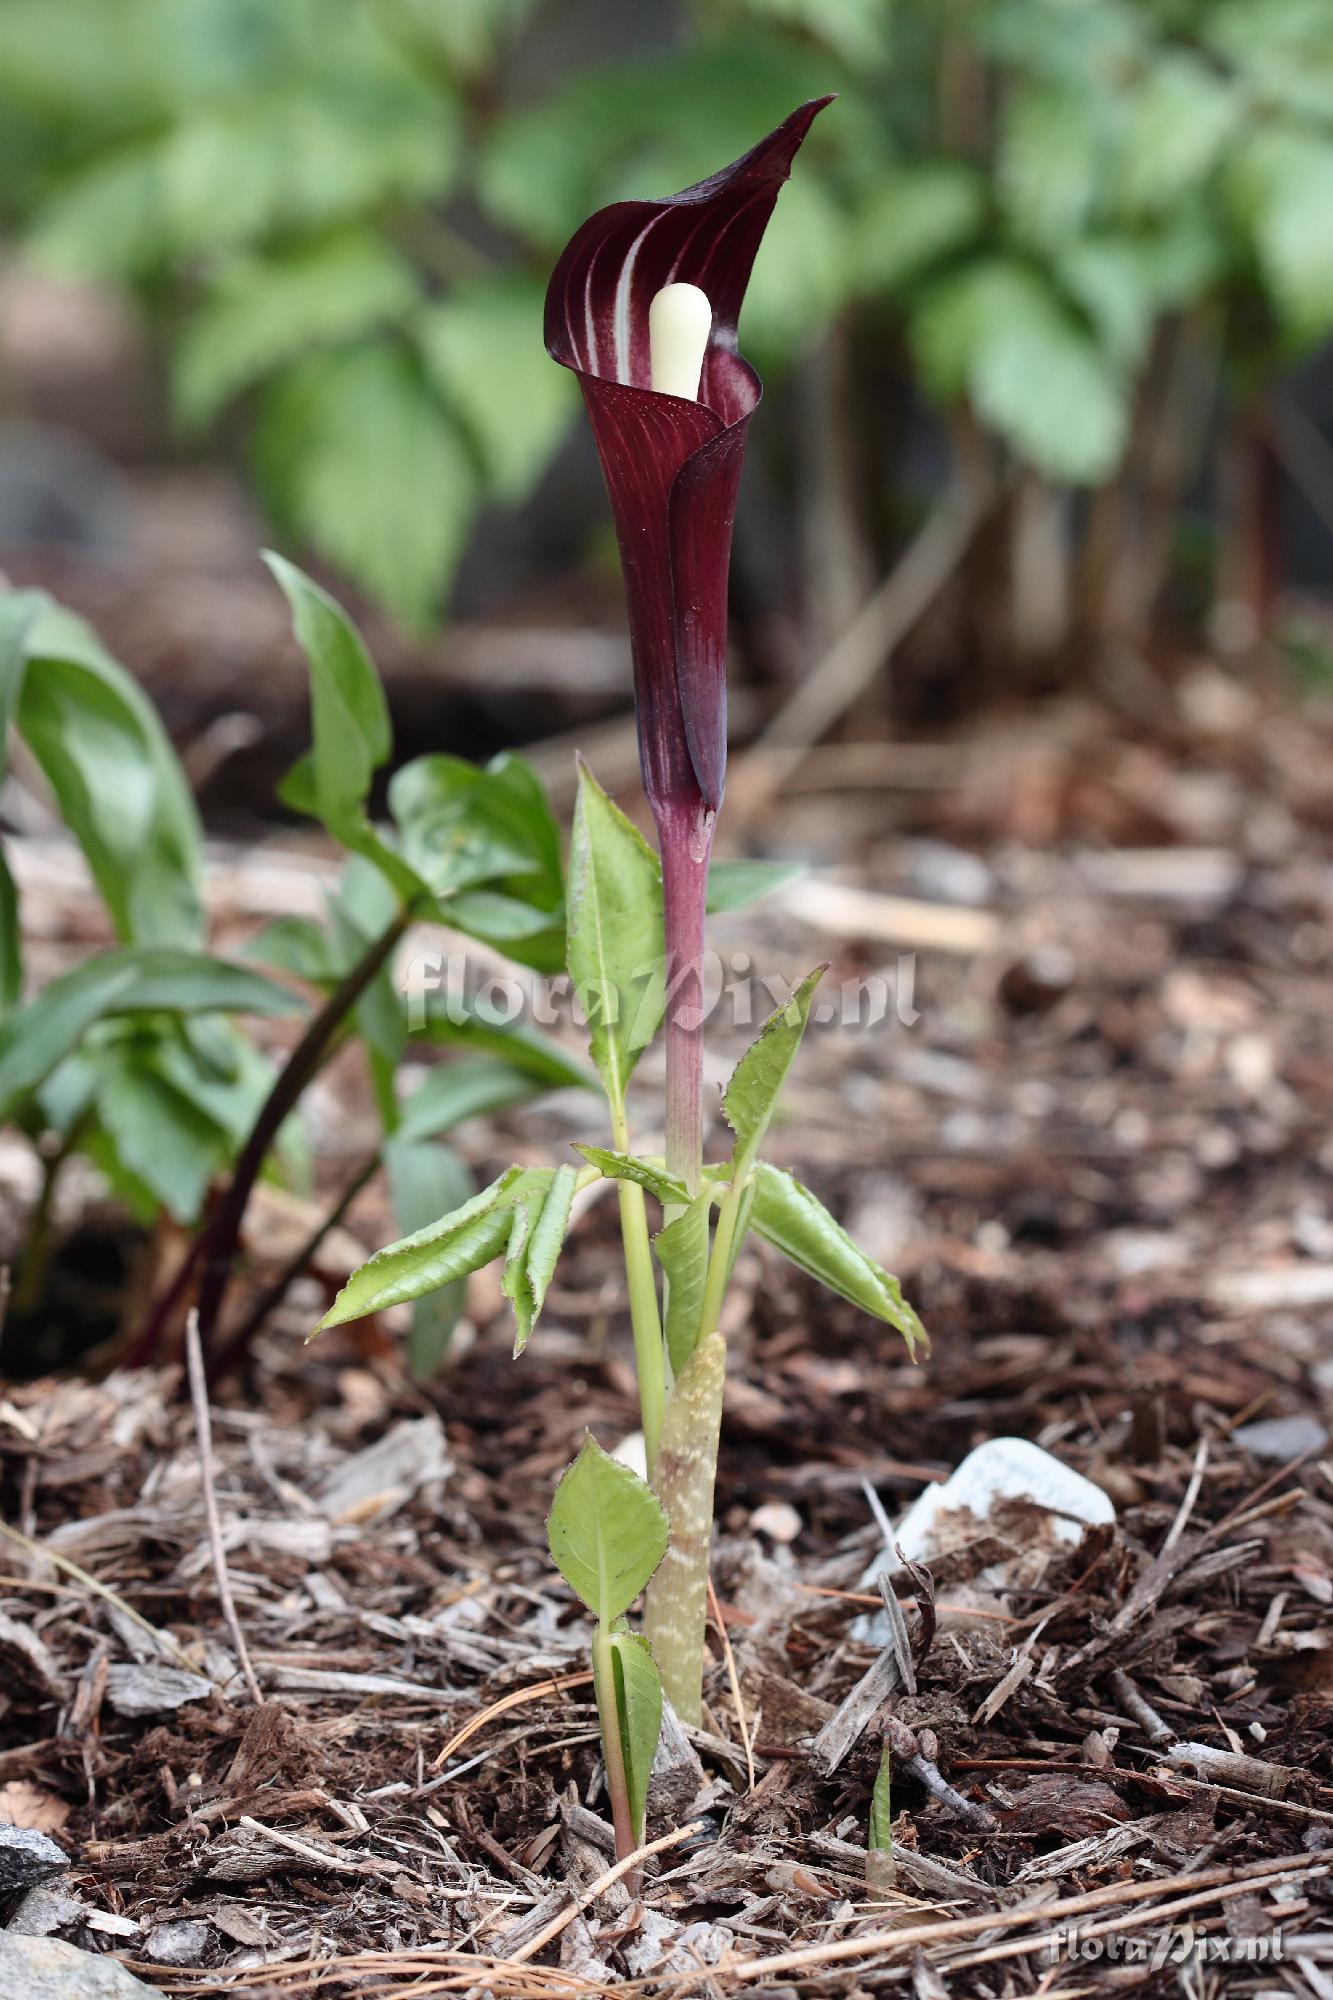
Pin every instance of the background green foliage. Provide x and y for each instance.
(340, 217)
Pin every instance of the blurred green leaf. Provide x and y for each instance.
(463, 1022)
(912, 217)
(33, 1039)
(356, 452)
(116, 778)
(484, 353)
(614, 934)
(1050, 158)
(425, 1182)
(262, 312)
(451, 1093)
(735, 885)
(1281, 184)
(161, 1134)
(1178, 121)
(997, 330)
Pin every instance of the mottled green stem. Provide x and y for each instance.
(677, 1604)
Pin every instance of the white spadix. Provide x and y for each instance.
(680, 320)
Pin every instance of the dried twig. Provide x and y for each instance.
(514, 1700)
(603, 1883)
(742, 1720)
(203, 1425)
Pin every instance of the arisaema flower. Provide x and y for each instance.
(670, 399)
(643, 306)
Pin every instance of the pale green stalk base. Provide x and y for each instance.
(677, 1605)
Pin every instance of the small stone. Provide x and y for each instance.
(27, 1858)
(1282, 1438)
(44, 1968)
(182, 1943)
(47, 1909)
(777, 1519)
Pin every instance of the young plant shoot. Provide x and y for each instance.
(643, 308)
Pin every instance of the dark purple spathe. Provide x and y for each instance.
(672, 467)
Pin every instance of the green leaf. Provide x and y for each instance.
(1035, 374)
(1111, 279)
(19, 612)
(116, 779)
(637, 1696)
(360, 458)
(1281, 186)
(734, 885)
(756, 1083)
(426, 1181)
(462, 1241)
(802, 272)
(453, 1092)
(607, 1532)
(1178, 123)
(263, 312)
(615, 937)
(518, 929)
(880, 1840)
(914, 218)
(460, 1021)
(454, 832)
(483, 351)
(348, 712)
(541, 1217)
(682, 1251)
(160, 1134)
(624, 1167)
(789, 1217)
(1049, 164)
(33, 1039)
(11, 953)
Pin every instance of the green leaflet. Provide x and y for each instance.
(541, 1217)
(625, 1167)
(522, 1214)
(637, 1693)
(607, 1532)
(614, 934)
(789, 1217)
(682, 1251)
(756, 1083)
(458, 1243)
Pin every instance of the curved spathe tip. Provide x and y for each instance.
(707, 235)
